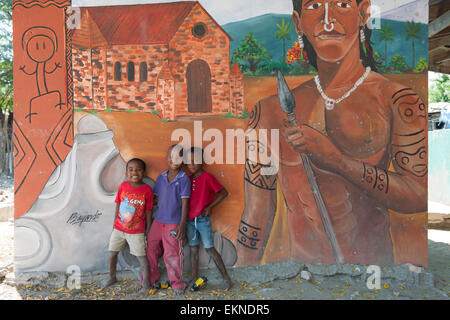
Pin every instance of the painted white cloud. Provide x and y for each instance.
(387, 5)
(225, 11)
(417, 12)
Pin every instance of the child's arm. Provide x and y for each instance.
(150, 204)
(117, 212)
(184, 213)
(117, 201)
(220, 196)
(148, 220)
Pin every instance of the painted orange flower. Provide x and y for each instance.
(296, 54)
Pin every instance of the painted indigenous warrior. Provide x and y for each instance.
(365, 137)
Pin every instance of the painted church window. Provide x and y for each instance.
(199, 30)
(130, 71)
(143, 72)
(117, 71)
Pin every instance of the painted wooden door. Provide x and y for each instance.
(199, 87)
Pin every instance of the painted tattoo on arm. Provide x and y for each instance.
(410, 137)
(254, 173)
(255, 117)
(398, 180)
(249, 236)
(408, 142)
(376, 177)
(253, 176)
(413, 161)
(260, 196)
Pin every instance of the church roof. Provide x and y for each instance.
(154, 23)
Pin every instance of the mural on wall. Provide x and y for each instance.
(351, 185)
(349, 160)
(43, 122)
(171, 59)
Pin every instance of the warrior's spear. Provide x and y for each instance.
(287, 103)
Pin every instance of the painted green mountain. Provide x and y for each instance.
(264, 27)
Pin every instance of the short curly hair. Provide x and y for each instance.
(142, 162)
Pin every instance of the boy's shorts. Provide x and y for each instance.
(200, 227)
(136, 242)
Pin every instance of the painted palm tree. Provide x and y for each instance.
(413, 32)
(386, 34)
(284, 33)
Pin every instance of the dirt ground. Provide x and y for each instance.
(293, 288)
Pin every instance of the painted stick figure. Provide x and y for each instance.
(41, 44)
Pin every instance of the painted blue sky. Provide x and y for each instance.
(225, 11)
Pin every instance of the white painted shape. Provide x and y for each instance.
(64, 240)
(32, 243)
(60, 192)
(27, 243)
(54, 177)
(91, 124)
(54, 188)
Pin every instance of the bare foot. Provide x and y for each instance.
(110, 282)
(144, 290)
(190, 284)
(227, 284)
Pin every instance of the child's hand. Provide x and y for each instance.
(181, 231)
(208, 211)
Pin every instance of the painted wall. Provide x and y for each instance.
(71, 150)
(156, 54)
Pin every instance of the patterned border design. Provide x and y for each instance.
(40, 3)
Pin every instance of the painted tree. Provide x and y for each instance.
(252, 51)
(386, 34)
(284, 33)
(413, 32)
(398, 64)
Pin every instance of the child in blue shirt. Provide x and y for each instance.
(173, 189)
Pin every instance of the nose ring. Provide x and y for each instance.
(328, 29)
(328, 26)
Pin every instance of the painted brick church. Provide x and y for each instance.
(170, 57)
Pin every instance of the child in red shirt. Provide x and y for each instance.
(204, 187)
(134, 203)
